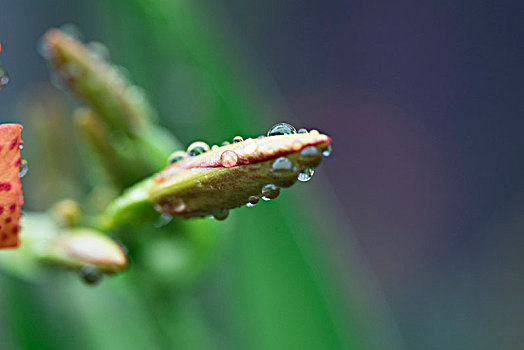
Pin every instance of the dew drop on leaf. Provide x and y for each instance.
(237, 139)
(91, 274)
(327, 151)
(4, 78)
(99, 50)
(252, 200)
(23, 168)
(197, 148)
(228, 159)
(306, 175)
(282, 166)
(220, 214)
(177, 157)
(281, 129)
(269, 192)
(163, 220)
(302, 131)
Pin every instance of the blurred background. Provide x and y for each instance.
(408, 236)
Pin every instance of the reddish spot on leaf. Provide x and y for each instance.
(11, 199)
(14, 143)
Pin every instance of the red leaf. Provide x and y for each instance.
(11, 198)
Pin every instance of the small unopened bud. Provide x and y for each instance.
(81, 247)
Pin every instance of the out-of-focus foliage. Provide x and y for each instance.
(274, 277)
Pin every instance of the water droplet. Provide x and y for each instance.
(197, 148)
(21, 146)
(121, 72)
(214, 147)
(72, 30)
(270, 191)
(91, 274)
(252, 200)
(23, 168)
(99, 50)
(228, 159)
(43, 48)
(261, 136)
(282, 166)
(4, 78)
(163, 220)
(281, 129)
(220, 214)
(238, 139)
(176, 157)
(310, 156)
(302, 131)
(306, 175)
(314, 133)
(171, 205)
(176, 205)
(327, 151)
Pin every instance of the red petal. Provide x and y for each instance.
(11, 199)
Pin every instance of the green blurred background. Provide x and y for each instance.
(409, 235)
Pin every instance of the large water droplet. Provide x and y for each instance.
(327, 151)
(252, 200)
(306, 175)
(302, 131)
(4, 78)
(282, 166)
(309, 152)
(91, 274)
(237, 139)
(228, 159)
(23, 168)
(220, 214)
(176, 157)
(270, 191)
(197, 148)
(281, 129)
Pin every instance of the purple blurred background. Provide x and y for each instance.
(424, 103)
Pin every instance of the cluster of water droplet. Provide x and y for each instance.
(281, 167)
